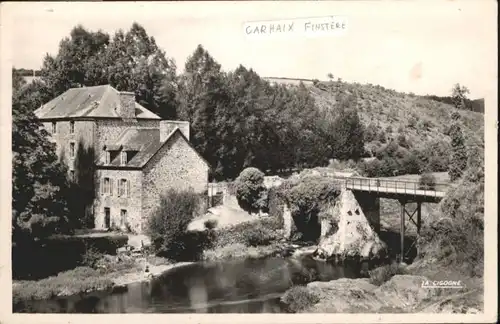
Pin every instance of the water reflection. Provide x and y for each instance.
(243, 286)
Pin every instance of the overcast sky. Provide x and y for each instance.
(422, 47)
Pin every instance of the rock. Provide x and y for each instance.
(402, 293)
(354, 236)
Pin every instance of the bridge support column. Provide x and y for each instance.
(370, 204)
(417, 223)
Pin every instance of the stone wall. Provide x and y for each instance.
(83, 130)
(132, 203)
(175, 166)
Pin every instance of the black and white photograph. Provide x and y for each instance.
(288, 158)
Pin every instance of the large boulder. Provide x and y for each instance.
(354, 236)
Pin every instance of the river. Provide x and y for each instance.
(236, 286)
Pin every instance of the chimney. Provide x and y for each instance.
(167, 127)
(127, 105)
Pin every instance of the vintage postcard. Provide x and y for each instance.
(282, 161)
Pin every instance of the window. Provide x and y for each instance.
(72, 150)
(123, 188)
(123, 158)
(108, 157)
(107, 187)
(72, 127)
(54, 127)
(123, 216)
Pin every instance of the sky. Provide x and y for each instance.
(424, 47)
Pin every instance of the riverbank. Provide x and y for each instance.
(402, 293)
(112, 272)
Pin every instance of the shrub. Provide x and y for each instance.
(370, 133)
(168, 225)
(240, 233)
(427, 181)
(412, 122)
(305, 198)
(250, 190)
(382, 274)
(43, 258)
(299, 298)
(402, 141)
(382, 137)
(210, 224)
(259, 235)
(457, 237)
(91, 257)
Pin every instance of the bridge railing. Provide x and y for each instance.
(400, 186)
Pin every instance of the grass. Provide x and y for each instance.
(81, 279)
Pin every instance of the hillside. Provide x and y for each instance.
(418, 118)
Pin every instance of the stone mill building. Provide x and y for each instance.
(139, 155)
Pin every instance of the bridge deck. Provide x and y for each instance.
(390, 188)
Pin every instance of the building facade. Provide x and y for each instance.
(139, 156)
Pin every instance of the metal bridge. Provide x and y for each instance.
(397, 189)
(404, 191)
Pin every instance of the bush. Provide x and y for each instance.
(382, 274)
(427, 181)
(306, 198)
(260, 235)
(91, 257)
(265, 228)
(57, 253)
(402, 141)
(210, 224)
(168, 226)
(457, 237)
(250, 190)
(299, 298)
(370, 133)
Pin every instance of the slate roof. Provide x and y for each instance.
(99, 101)
(144, 140)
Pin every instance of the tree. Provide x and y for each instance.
(39, 205)
(458, 161)
(203, 96)
(250, 190)
(134, 62)
(459, 96)
(76, 63)
(17, 80)
(349, 139)
(129, 62)
(83, 188)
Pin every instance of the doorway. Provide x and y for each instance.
(107, 217)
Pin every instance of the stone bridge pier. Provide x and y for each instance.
(370, 205)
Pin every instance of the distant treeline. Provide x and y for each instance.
(472, 105)
(28, 72)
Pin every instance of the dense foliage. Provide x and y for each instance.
(168, 226)
(250, 190)
(306, 198)
(39, 202)
(458, 154)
